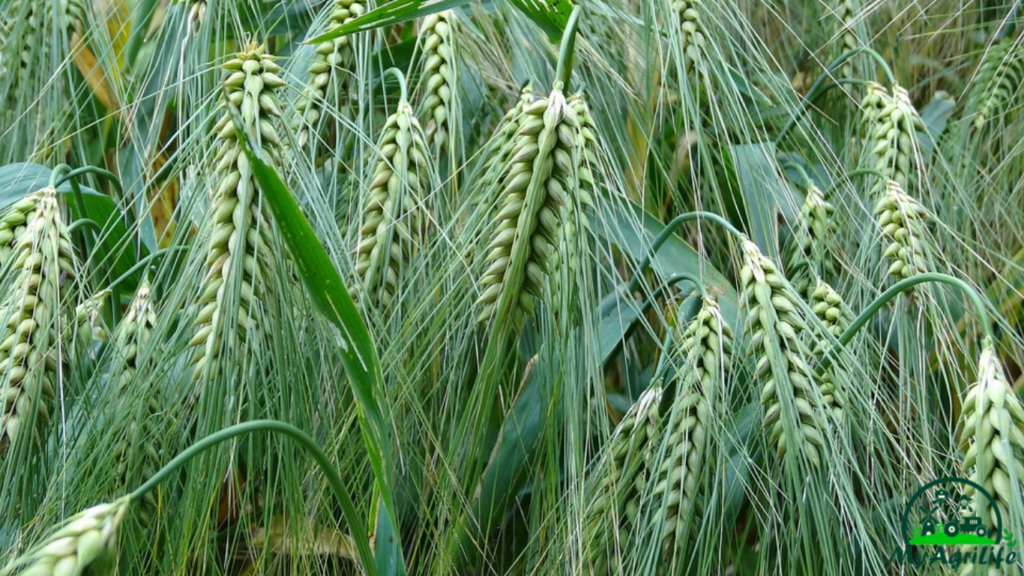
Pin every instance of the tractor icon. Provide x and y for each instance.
(966, 525)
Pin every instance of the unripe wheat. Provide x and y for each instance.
(998, 81)
(438, 69)
(903, 223)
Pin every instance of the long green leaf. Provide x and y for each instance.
(359, 357)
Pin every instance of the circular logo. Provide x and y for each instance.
(953, 528)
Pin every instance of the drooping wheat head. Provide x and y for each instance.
(333, 59)
(794, 406)
(85, 545)
(130, 340)
(904, 225)
(394, 216)
(846, 15)
(808, 257)
(828, 305)
(439, 71)
(535, 195)
(893, 124)
(992, 435)
(999, 79)
(694, 39)
(241, 235)
(699, 351)
(31, 315)
(625, 472)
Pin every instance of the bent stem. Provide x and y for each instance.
(895, 290)
(819, 88)
(401, 82)
(333, 478)
(663, 237)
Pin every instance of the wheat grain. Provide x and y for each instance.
(543, 166)
(241, 232)
(893, 124)
(393, 219)
(999, 79)
(992, 434)
(699, 353)
(793, 405)
(331, 60)
(438, 35)
(903, 223)
(84, 545)
(808, 256)
(497, 154)
(31, 314)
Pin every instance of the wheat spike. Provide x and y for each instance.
(893, 124)
(992, 434)
(903, 222)
(534, 192)
(846, 16)
(31, 315)
(131, 338)
(694, 39)
(331, 59)
(828, 305)
(999, 79)
(497, 154)
(393, 218)
(241, 233)
(84, 545)
(790, 395)
(808, 256)
(438, 35)
(699, 352)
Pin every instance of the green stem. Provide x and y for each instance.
(806, 180)
(895, 290)
(563, 73)
(142, 263)
(333, 478)
(84, 222)
(819, 87)
(108, 175)
(667, 232)
(55, 174)
(671, 280)
(853, 174)
(401, 82)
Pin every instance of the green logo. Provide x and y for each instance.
(959, 513)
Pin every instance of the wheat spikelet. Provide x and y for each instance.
(903, 223)
(694, 40)
(438, 68)
(544, 163)
(131, 337)
(835, 315)
(626, 473)
(846, 16)
(999, 79)
(992, 434)
(30, 315)
(12, 225)
(808, 256)
(331, 59)
(84, 545)
(241, 231)
(699, 353)
(789, 394)
(393, 218)
(893, 124)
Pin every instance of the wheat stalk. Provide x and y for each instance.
(808, 256)
(540, 180)
(903, 223)
(31, 314)
(699, 353)
(992, 434)
(331, 59)
(999, 79)
(241, 231)
(793, 405)
(85, 545)
(438, 67)
(393, 220)
(893, 124)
